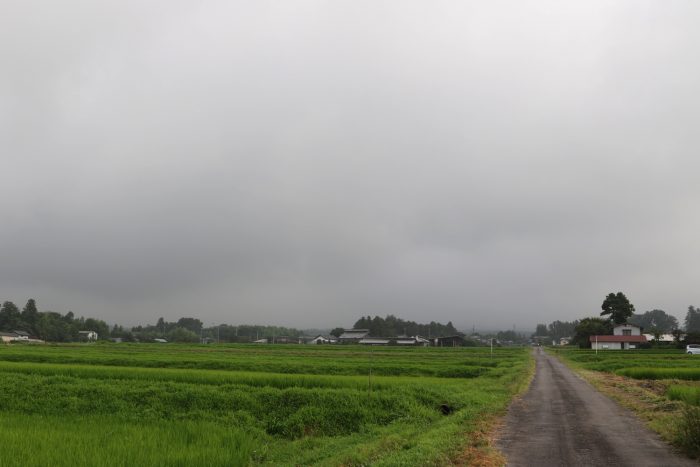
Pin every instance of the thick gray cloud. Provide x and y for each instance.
(307, 162)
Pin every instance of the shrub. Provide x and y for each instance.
(688, 435)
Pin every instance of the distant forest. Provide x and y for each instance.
(47, 325)
(391, 326)
(56, 327)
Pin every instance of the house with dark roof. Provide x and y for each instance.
(353, 336)
(625, 337)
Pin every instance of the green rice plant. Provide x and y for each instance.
(687, 394)
(102, 441)
(274, 405)
(690, 374)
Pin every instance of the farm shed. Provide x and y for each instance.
(375, 341)
(449, 341)
(616, 342)
(21, 335)
(318, 340)
(416, 340)
(352, 336)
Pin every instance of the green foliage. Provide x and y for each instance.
(558, 329)
(391, 326)
(688, 434)
(48, 325)
(655, 321)
(590, 327)
(618, 307)
(30, 316)
(179, 334)
(692, 320)
(687, 394)
(10, 318)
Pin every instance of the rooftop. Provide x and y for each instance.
(618, 339)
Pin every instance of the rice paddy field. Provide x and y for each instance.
(662, 385)
(672, 364)
(167, 404)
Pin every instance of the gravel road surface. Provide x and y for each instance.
(562, 421)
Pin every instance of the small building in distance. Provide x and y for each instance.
(87, 336)
(7, 337)
(375, 341)
(21, 335)
(667, 338)
(353, 336)
(449, 341)
(417, 341)
(318, 340)
(625, 337)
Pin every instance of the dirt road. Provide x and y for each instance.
(563, 421)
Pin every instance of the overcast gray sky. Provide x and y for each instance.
(303, 163)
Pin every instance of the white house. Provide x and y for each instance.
(318, 340)
(7, 337)
(627, 330)
(625, 337)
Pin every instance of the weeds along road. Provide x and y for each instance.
(563, 421)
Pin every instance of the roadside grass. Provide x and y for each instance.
(651, 392)
(117, 406)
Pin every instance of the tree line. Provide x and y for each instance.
(47, 325)
(56, 327)
(391, 326)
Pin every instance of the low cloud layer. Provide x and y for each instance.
(305, 163)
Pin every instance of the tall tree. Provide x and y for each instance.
(692, 319)
(618, 307)
(30, 315)
(655, 321)
(558, 329)
(588, 327)
(10, 317)
(191, 324)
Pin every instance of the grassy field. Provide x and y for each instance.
(150, 404)
(662, 386)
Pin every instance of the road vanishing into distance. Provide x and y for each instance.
(563, 421)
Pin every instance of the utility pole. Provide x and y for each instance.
(369, 381)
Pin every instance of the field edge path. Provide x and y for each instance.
(563, 421)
